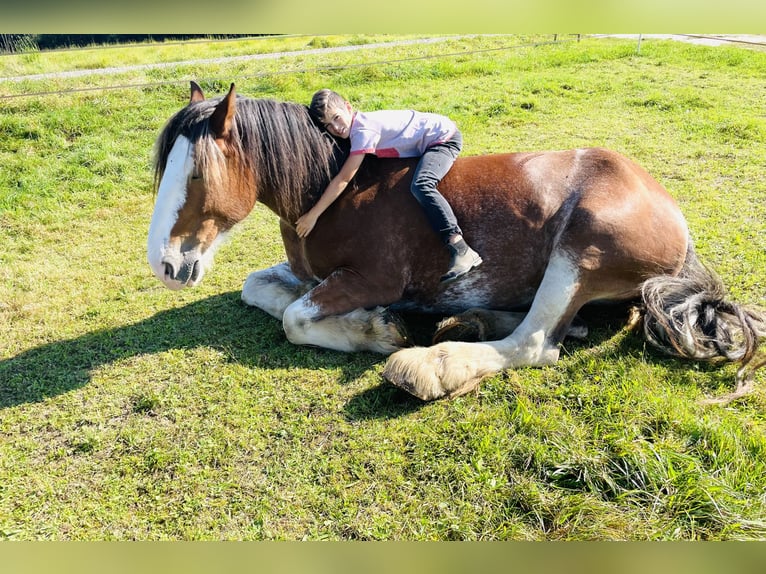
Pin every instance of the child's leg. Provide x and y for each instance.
(433, 166)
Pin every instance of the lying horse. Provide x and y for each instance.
(556, 230)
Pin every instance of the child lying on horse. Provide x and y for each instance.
(396, 133)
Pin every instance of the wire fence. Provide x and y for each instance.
(555, 39)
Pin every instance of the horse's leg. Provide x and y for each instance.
(452, 369)
(488, 325)
(375, 330)
(274, 289)
(339, 314)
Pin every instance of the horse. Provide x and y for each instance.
(556, 229)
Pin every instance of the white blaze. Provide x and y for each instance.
(171, 196)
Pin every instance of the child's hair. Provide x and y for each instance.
(322, 101)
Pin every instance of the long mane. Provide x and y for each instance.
(289, 156)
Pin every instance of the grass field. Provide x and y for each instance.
(131, 412)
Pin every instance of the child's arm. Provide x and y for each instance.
(306, 222)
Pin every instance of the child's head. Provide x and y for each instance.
(331, 111)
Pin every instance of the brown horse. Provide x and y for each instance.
(556, 230)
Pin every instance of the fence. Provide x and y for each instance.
(555, 39)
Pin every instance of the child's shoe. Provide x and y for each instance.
(463, 260)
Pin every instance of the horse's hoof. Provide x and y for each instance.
(413, 370)
(421, 372)
(467, 327)
(397, 329)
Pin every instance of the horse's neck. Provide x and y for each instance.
(288, 170)
(291, 207)
(271, 200)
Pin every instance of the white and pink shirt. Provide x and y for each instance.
(398, 133)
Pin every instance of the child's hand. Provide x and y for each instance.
(305, 224)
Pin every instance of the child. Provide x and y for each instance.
(389, 133)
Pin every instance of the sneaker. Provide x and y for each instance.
(463, 260)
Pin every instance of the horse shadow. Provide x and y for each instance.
(387, 401)
(607, 323)
(246, 335)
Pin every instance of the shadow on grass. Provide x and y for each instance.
(604, 323)
(246, 335)
(384, 401)
(387, 401)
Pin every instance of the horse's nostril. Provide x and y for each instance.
(169, 271)
(195, 271)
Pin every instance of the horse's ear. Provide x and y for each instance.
(220, 121)
(196, 93)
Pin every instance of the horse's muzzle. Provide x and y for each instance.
(181, 271)
(187, 273)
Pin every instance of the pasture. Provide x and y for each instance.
(130, 412)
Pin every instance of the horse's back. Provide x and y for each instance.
(601, 209)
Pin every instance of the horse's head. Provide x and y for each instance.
(202, 190)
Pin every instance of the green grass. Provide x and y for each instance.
(131, 412)
(98, 57)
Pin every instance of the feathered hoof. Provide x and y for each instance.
(388, 333)
(397, 328)
(423, 372)
(477, 325)
(469, 326)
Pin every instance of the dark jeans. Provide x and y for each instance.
(432, 167)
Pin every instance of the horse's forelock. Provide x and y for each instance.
(191, 122)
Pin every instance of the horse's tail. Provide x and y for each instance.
(688, 316)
